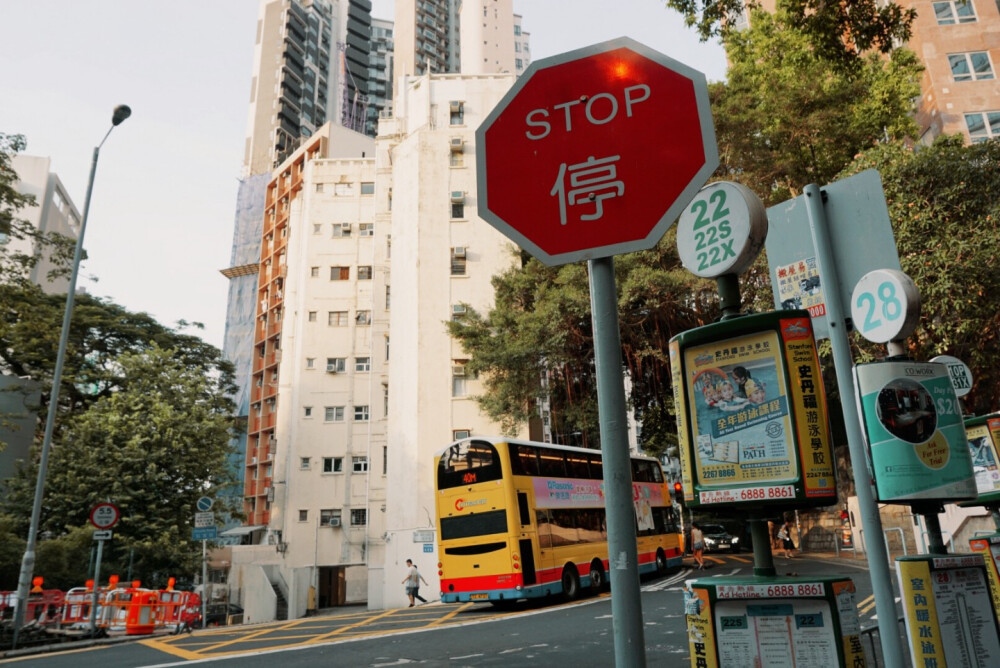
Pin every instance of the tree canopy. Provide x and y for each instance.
(839, 32)
(144, 420)
(787, 116)
(946, 220)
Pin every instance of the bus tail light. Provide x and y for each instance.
(517, 566)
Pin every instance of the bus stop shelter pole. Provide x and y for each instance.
(623, 553)
(843, 361)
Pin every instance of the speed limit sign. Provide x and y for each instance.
(104, 515)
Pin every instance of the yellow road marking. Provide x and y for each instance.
(344, 629)
(170, 649)
(866, 605)
(715, 559)
(741, 559)
(251, 636)
(451, 614)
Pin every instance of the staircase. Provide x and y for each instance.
(281, 610)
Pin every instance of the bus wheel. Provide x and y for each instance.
(597, 581)
(661, 562)
(570, 583)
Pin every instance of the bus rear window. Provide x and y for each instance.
(478, 524)
(467, 463)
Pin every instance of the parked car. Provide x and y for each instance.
(223, 614)
(718, 539)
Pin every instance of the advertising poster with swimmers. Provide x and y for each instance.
(916, 437)
(739, 412)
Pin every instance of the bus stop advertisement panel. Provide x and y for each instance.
(983, 434)
(752, 416)
(917, 444)
(805, 622)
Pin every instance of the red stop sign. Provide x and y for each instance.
(595, 152)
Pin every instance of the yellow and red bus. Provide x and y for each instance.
(518, 519)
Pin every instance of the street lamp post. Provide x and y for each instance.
(121, 112)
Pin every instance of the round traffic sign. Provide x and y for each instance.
(885, 305)
(104, 515)
(721, 230)
(205, 503)
(595, 152)
(959, 371)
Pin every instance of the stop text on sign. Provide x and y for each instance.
(595, 114)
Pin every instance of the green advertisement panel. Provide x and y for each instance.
(752, 416)
(916, 437)
(778, 622)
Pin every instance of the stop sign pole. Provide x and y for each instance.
(593, 153)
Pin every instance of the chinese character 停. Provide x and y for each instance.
(590, 181)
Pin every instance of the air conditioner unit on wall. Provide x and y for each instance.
(334, 521)
(456, 105)
(331, 368)
(458, 251)
(457, 196)
(457, 144)
(458, 370)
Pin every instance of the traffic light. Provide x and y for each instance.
(679, 493)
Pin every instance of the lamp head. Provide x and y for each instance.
(122, 111)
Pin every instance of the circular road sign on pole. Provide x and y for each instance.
(595, 152)
(104, 515)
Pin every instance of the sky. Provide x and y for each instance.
(161, 216)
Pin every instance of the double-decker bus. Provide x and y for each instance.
(518, 519)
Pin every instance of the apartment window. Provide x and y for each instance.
(364, 317)
(310, 362)
(307, 411)
(983, 125)
(458, 261)
(367, 187)
(333, 465)
(974, 66)
(517, 29)
(333, 413)
(385, 459)
(337, 318)
(336, 364)
(362, 364)
(387, 348)
(385, 400)
(303, 462)
(361, 413)
(341, 230)
(317, 228)
(459, 434)
(312, 316)
(365, 273)
(359, 464)
(458, 210)
(366, 230)
(340, 273)
(456, 159)
(457, 112)
(359, 517)
(342, 189)
(517, 47)
(303, 515)
(319, 187)
(459, 386)
(950, 13)
(327, 516)
(388, 299)
(314, 272)
(518, 63)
